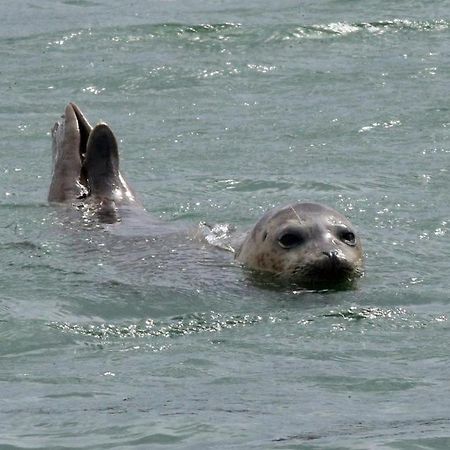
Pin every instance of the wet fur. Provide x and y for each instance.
(321, 257)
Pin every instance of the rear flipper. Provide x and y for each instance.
(86, 165)
(106, 187)
(101, 163)
(69, 137)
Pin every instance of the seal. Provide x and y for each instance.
(86, 166)
(308, 244)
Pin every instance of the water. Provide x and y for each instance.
(120, 339)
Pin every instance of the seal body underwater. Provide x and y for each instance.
(306, 243)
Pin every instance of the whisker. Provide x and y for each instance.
(296, 214)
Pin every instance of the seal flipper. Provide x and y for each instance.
(69, 145)
(86, 164)
(101, 169)
(85, 129)
(101, 163)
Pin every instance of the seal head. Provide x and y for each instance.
(308, 244)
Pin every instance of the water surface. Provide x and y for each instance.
(123, 340)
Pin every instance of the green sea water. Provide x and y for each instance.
(114, 337)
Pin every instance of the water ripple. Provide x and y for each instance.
(238, 33)
(343, 29)
(283, 32)
(200, 32)
(217, 322)
(191, 324)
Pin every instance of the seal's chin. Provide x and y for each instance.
(310, 277)
(329, 273)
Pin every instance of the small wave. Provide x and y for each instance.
(355, 313)
(224, 31)
(344, 29)
(231, 32)
(167, 30)
(20, 245)
(206, 28)
(381, 27)
(249, 185)
(217, 235)
(178, 326)
(386, 125)
(397, 317)
(241, 34)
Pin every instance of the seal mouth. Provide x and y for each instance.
(328, 272)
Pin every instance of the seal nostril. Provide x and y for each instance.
(333, 255)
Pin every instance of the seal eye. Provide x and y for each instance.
(348, 237)
(290, 240)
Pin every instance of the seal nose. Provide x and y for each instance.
(333, 255)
